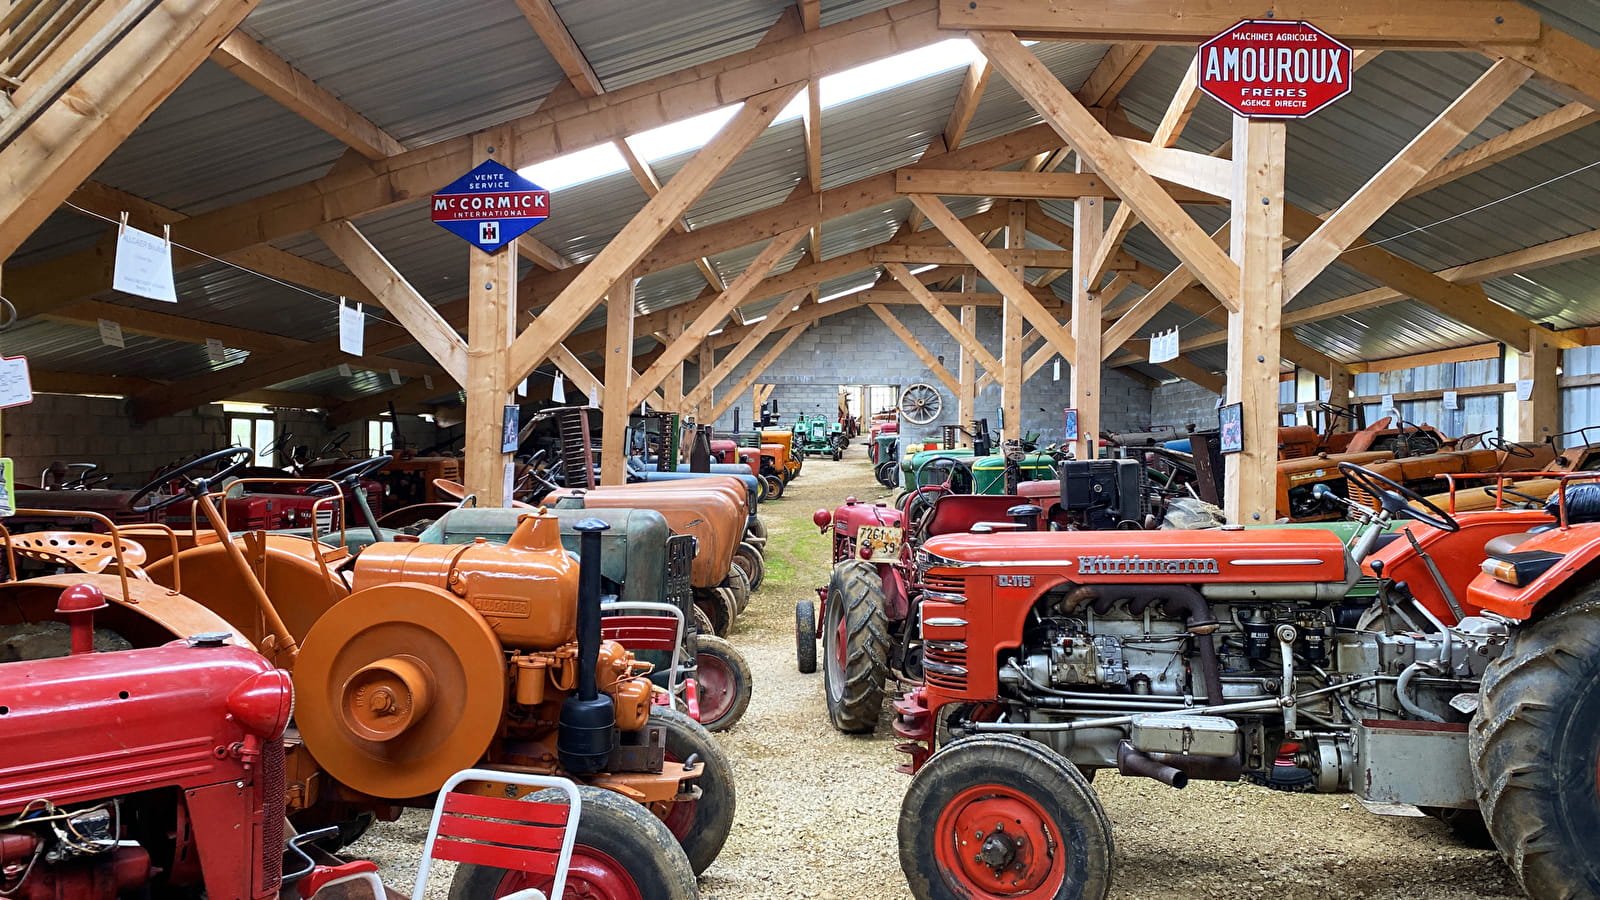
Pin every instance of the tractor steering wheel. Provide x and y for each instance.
(1510, 449)
(1340, 412)
(350, 476)
(1501, 492)
(239, 456)
(1397, 498)
(949, 483)
(334, 444)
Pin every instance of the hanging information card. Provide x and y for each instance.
(216, 351)
(144, 265)
(352, 329)
(558, 390)
(15, 387)
(1164, 346)
(111, 334)
(1451, 400)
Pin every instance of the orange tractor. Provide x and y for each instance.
(1390, 665)
(413, 661)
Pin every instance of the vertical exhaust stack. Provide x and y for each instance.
(588, 720)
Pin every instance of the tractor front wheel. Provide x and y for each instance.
(887, 473)
(774, 487)
(748, 558)
(701, 825)
(622, 852)
(724, 681)
(1535, 750)
(805, 636)
(855, 643)
(999, 816)
(755, 534)
(719, 606)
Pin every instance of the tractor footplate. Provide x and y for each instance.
(914, 721)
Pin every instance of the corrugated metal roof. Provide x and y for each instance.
(628, 41)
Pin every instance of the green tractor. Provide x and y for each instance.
(816, 434)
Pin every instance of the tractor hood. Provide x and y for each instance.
(1252, 555)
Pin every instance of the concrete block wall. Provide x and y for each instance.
(857, 348)
(99, 430)
(1181, 403)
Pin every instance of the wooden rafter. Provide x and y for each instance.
(51, 144)
(1114, 71)
(630, 244)
(271, 75)
(1571, 65)
(713, 375)
(935, 308)
(1023, 185)
(1506, 145)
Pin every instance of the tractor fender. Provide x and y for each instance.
(1579, 547)
(148, 615)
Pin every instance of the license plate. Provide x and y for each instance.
(881, 541)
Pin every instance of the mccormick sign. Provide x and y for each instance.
(1274, 70)
(491, 206)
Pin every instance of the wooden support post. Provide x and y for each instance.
(967, 396)
(1341, 384)
(1539, 416)
(1251, 479)
(1088, 228)
(708, 361)
(1011, 344)
(614, 407)
(672, 386)
(491, 307)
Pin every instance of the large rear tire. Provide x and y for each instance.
(622, 853)
(725, 683)
(1535, 746)
(701, 825)
(805, 636)
(887, 473)
(719, 606)
(748, 558)
(855, 641)
(999, 816)
(738, 581)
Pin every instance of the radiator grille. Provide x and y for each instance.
(944, 665)
(945, 584)
(1359, 497)
(680, 558)
(270, 783)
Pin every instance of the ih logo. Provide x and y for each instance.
(489, 233)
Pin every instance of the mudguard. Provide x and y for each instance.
(1579, 547)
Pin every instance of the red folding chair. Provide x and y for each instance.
(503, 833)
(662, 633)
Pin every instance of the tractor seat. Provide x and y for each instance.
(81, 550)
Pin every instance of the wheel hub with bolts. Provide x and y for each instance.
(1007, 844)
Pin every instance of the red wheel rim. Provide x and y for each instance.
(592, 875)
(1020, 854)
(716, 687)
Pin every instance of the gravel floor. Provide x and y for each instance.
(818, 809)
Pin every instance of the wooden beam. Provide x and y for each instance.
(713, 315)
(994, 270)
(967, 396)
(973, 350)
(894, 296)
(1179, 280)
(491, 320)
(1024, 185)
(1506, 145)
(51, 144)
(584, 380)
(767, 359)
(1088, 226)
(811, 14)
(1188, 371)
(1250, 480)
(371, 407)
(1012, 345)
(618, 374)
(1111, 161)
(949, 256)
(1360, 23)
(917, 348)
(630, 244)
(1197, 176)
(1408, 167)
(397, 295)
(1437, 357)
(1539, 416)
(1568, 63)
(271, 75)
(713, 375)
(1113, 72)
(966, 105)
(558, 40)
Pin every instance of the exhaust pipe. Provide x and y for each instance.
(1135, 762)
(588, 720)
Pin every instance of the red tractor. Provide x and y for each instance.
(1392, 667)
(140, 772)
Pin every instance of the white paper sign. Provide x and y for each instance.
(1300, 411)
(216, 351)
(111, 334)
(427, 382)
(394, 376)
(511, 480)
(1524, 389)
(15, 387)
(144, 266)
(352, 329)
(1387, 403)
(594, 396)
(345, 371)
(558, 390)
(1327, 394)
(522, 388)
(1450, 400)
(1055, 374)
(1164, 346)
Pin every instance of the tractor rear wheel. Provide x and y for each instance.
(724, 682)
(1535, 746)
(805, 636)
(700, 825)
(622, 852)
(748, 558)
(999, 816)
(774, 487)
(719, 606)
(855, 642)
(887, 473)
(738, 581)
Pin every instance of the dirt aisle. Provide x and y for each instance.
(818, 810)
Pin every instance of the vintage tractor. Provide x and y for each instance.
(441, 657)
(1424, 473)
(787, 456)
(1381, 666)
(152, 772)
(1531, 488)
(816, 435)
